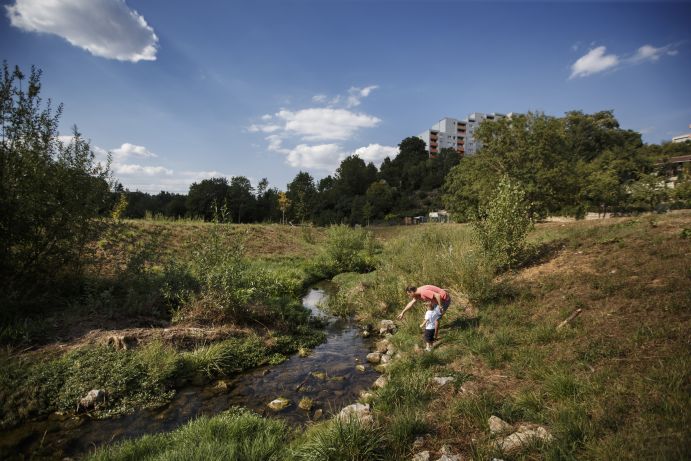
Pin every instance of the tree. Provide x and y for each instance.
(283, 203)
(240, 199)
(52, 195)
(205, 196)
(301, 193)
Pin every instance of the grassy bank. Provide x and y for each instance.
(164, 305)
(612, 384)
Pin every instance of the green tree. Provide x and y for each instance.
(301, 193)
(52, 195)
(503, 224)
(205, 195)
(241, 200)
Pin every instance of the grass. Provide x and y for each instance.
(613, 384)
(235, 434)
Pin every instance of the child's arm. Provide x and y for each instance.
(422, 325)
(436, 328)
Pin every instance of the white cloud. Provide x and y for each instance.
(376, 153)
(263, 128)
(105, 28)
(594, 61)
(134, 169)
(131, 150)
(322, 124)
(320, 157)
(355, 94)
(267, 117)
(650, 53)
(319, 98)
(275, 142)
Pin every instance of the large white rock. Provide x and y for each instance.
(92, 398)
(523, 437)
(278, 404)
(382, 346)
(380, 382)
(357, 411)
(422, 456)
(374, 357)
(497, 425)
(387, 326)
(442, 380)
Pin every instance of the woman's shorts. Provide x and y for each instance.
(445, 305)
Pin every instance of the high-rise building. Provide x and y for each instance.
(682, 137)
(456, 134)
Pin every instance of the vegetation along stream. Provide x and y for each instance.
(327, 376)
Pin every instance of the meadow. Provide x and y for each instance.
(612, 383)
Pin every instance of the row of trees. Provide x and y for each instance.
(356, 193)
(567, 165)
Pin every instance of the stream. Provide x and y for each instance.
(327, 376)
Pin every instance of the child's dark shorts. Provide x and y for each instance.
(429, 336)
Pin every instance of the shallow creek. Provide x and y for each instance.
(327, 376)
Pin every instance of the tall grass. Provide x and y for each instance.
(341, 439)
(237, 434)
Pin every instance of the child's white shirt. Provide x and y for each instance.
(431, 317)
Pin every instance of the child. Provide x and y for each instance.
(431, 325)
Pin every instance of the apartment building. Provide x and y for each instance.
(456, 134)
(683, 137)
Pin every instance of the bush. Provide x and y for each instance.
(346, 250)
(503, 225)
(51, 196)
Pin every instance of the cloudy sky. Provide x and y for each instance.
(181, 91)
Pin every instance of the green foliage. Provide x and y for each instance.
(504, 224)
(51, 195)
(346, 250)
(236, 434)
(342, 439)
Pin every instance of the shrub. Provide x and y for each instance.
(503, 225)
(51, 196)
(346, 250)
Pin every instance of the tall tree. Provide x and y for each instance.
(301, 193)
(51, 194)
(206, 196)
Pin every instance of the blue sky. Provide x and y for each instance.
(181, 91)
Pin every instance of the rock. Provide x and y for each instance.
(448, 455)
(122, 342)
(380, 382)
(418, 443)
(304, 352)
(319, 374)
(391, 349)
(365, 334)
(374, 357)
(360, 367)
(318, 413)
(523, 437)
(382, 346)
(279, 404)
(387, 326)
(337, 378)
(442, 380)
(450, 458)
(382, 367)
(497, 425)
(305, 404)
(92, 398)
(386, 358)
(221, 385)
(422, 456)
(357, 411)
(366, 396)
